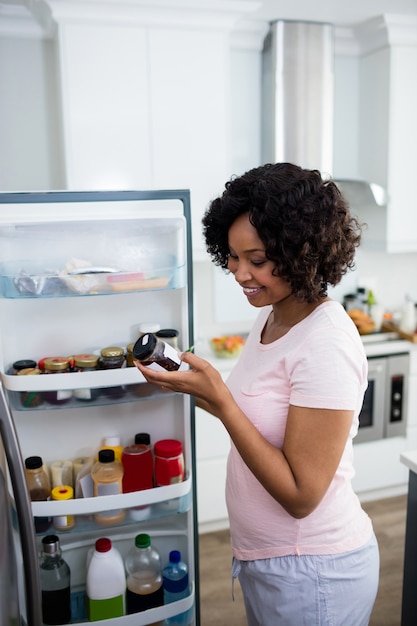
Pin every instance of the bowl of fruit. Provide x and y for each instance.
(227, 346)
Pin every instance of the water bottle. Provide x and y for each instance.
(175, 582)
(55, 583)
(144, 576)
(105, 582)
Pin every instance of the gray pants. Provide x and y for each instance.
(330, 590)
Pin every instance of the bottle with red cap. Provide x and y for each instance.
(106, 582)
(169, 462)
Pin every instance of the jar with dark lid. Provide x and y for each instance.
(112, 357)
(85, 363)
(155, 353)
(129, 354)
(22, 364)
(57, 365)
(39, 488)
(30, 399)
(170, 335)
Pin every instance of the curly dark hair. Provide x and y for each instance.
(303, 221)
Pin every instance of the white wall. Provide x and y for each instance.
(30, 144)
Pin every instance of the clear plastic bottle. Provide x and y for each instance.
(175, 582)
(55, 583)
(144, 576)
(107, 475)
(105, 582)
(39, 487)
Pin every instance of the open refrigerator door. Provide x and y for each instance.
(79, 272)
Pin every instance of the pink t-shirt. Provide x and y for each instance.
(319, 363)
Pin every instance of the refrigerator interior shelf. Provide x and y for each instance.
(46, 284)
(82, 506)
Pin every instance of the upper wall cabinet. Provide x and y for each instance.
(388, 131)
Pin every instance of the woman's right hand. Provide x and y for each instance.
(202, 380)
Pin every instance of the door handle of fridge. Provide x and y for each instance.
(24, 514)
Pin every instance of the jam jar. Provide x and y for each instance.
(85, 363)
(57, 365)
(112, 357)
(30, 399)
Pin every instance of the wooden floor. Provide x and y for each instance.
(218, 609)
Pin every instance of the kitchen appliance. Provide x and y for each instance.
(80, 271)
(298, 104)
(384, 410)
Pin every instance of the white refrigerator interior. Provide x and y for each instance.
(80, 271)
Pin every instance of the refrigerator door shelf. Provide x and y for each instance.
(75, 380)
(153, 616)
(82, 506)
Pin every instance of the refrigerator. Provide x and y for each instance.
(81, 271)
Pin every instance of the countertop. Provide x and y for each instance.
(409, 459)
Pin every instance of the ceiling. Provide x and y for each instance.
(338, 12)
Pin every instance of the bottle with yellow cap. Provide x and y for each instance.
(63, 522)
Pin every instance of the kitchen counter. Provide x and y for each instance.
(409, 600)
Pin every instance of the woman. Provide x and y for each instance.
(304, 550)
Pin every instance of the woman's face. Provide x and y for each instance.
(250, 267)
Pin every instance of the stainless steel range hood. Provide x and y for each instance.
(298, 102)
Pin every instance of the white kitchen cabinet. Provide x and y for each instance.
(388, 133)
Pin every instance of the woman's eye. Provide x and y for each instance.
(258, 263)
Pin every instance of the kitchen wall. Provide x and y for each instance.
(32, 157)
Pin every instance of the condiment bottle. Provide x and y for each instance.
(155, 353)
(30, 399)
(105, 582)
(85, 363)
(63, 522)
(137, 460)
(129, 354)
(39, 488)
(112, 357)
(169, 462)
(144, 576)
(57, 365)
(169, 335)
(61, 473)
(112, 442)
(107, 476)
(55, 583)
